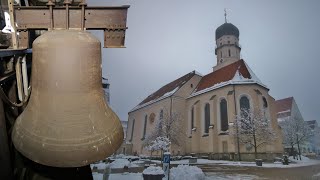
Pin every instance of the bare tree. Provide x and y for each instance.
(253, 129)
(295, 132)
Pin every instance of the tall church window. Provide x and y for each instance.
(244, 103)
(132, 128)
(265, 103)
(206, 118)
(160, 119)
(161, 114)
(144, 127)
(192, 118)
(245, 112)
(229, 52)
(224, 115)
(265, 108)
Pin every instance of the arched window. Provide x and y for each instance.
(265, 108)
(265, 103)
(144, 127)
(245, 111)
(224, 115)
(206, 118)
(132, 128)
(244, 103)
(229, 53)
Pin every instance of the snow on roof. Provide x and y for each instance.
(235, 73)
(165, 91)
(286, 111)
(172, 92)
(283, 106)
(253, 75)
(197, 73)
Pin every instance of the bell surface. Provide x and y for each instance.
(67, 122)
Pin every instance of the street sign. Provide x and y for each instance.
(166, 164)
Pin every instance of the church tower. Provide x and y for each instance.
(227, 45)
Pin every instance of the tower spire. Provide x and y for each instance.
(225, 15)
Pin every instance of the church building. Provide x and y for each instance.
(207, 106)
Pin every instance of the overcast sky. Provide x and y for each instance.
(167, 39)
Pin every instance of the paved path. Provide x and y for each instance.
(239, 172)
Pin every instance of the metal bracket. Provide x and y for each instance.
(112, 20)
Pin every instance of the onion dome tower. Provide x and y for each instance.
(227, 44)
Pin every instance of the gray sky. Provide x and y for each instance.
(169, 38)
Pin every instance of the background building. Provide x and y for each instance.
(207, 106)
(313, 145)
(288, 110)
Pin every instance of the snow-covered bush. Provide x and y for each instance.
(154, 170)
(186, 172)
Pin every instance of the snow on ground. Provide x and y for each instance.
(316, 175)
(186, 172)
(295, 163)
(120, 163)
(117, 163)
(303, 159)
(97, 176)
(138, 176)
(100, 165)
(223, 176)
(123, 176)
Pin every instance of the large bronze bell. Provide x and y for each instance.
(67, 122)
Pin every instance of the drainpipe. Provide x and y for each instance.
(170, 112)
(235, 109)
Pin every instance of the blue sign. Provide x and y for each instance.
(166, 165)
(166, 158)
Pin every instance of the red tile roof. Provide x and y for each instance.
(169, 87)
(224, 74)
(284, 105)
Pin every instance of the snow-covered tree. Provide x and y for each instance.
(168, 125)
(160, 143)
(253, 129)
(295, 132)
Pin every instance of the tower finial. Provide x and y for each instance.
(225, 15)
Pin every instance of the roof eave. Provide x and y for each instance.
(149, 103)
(225, 84)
